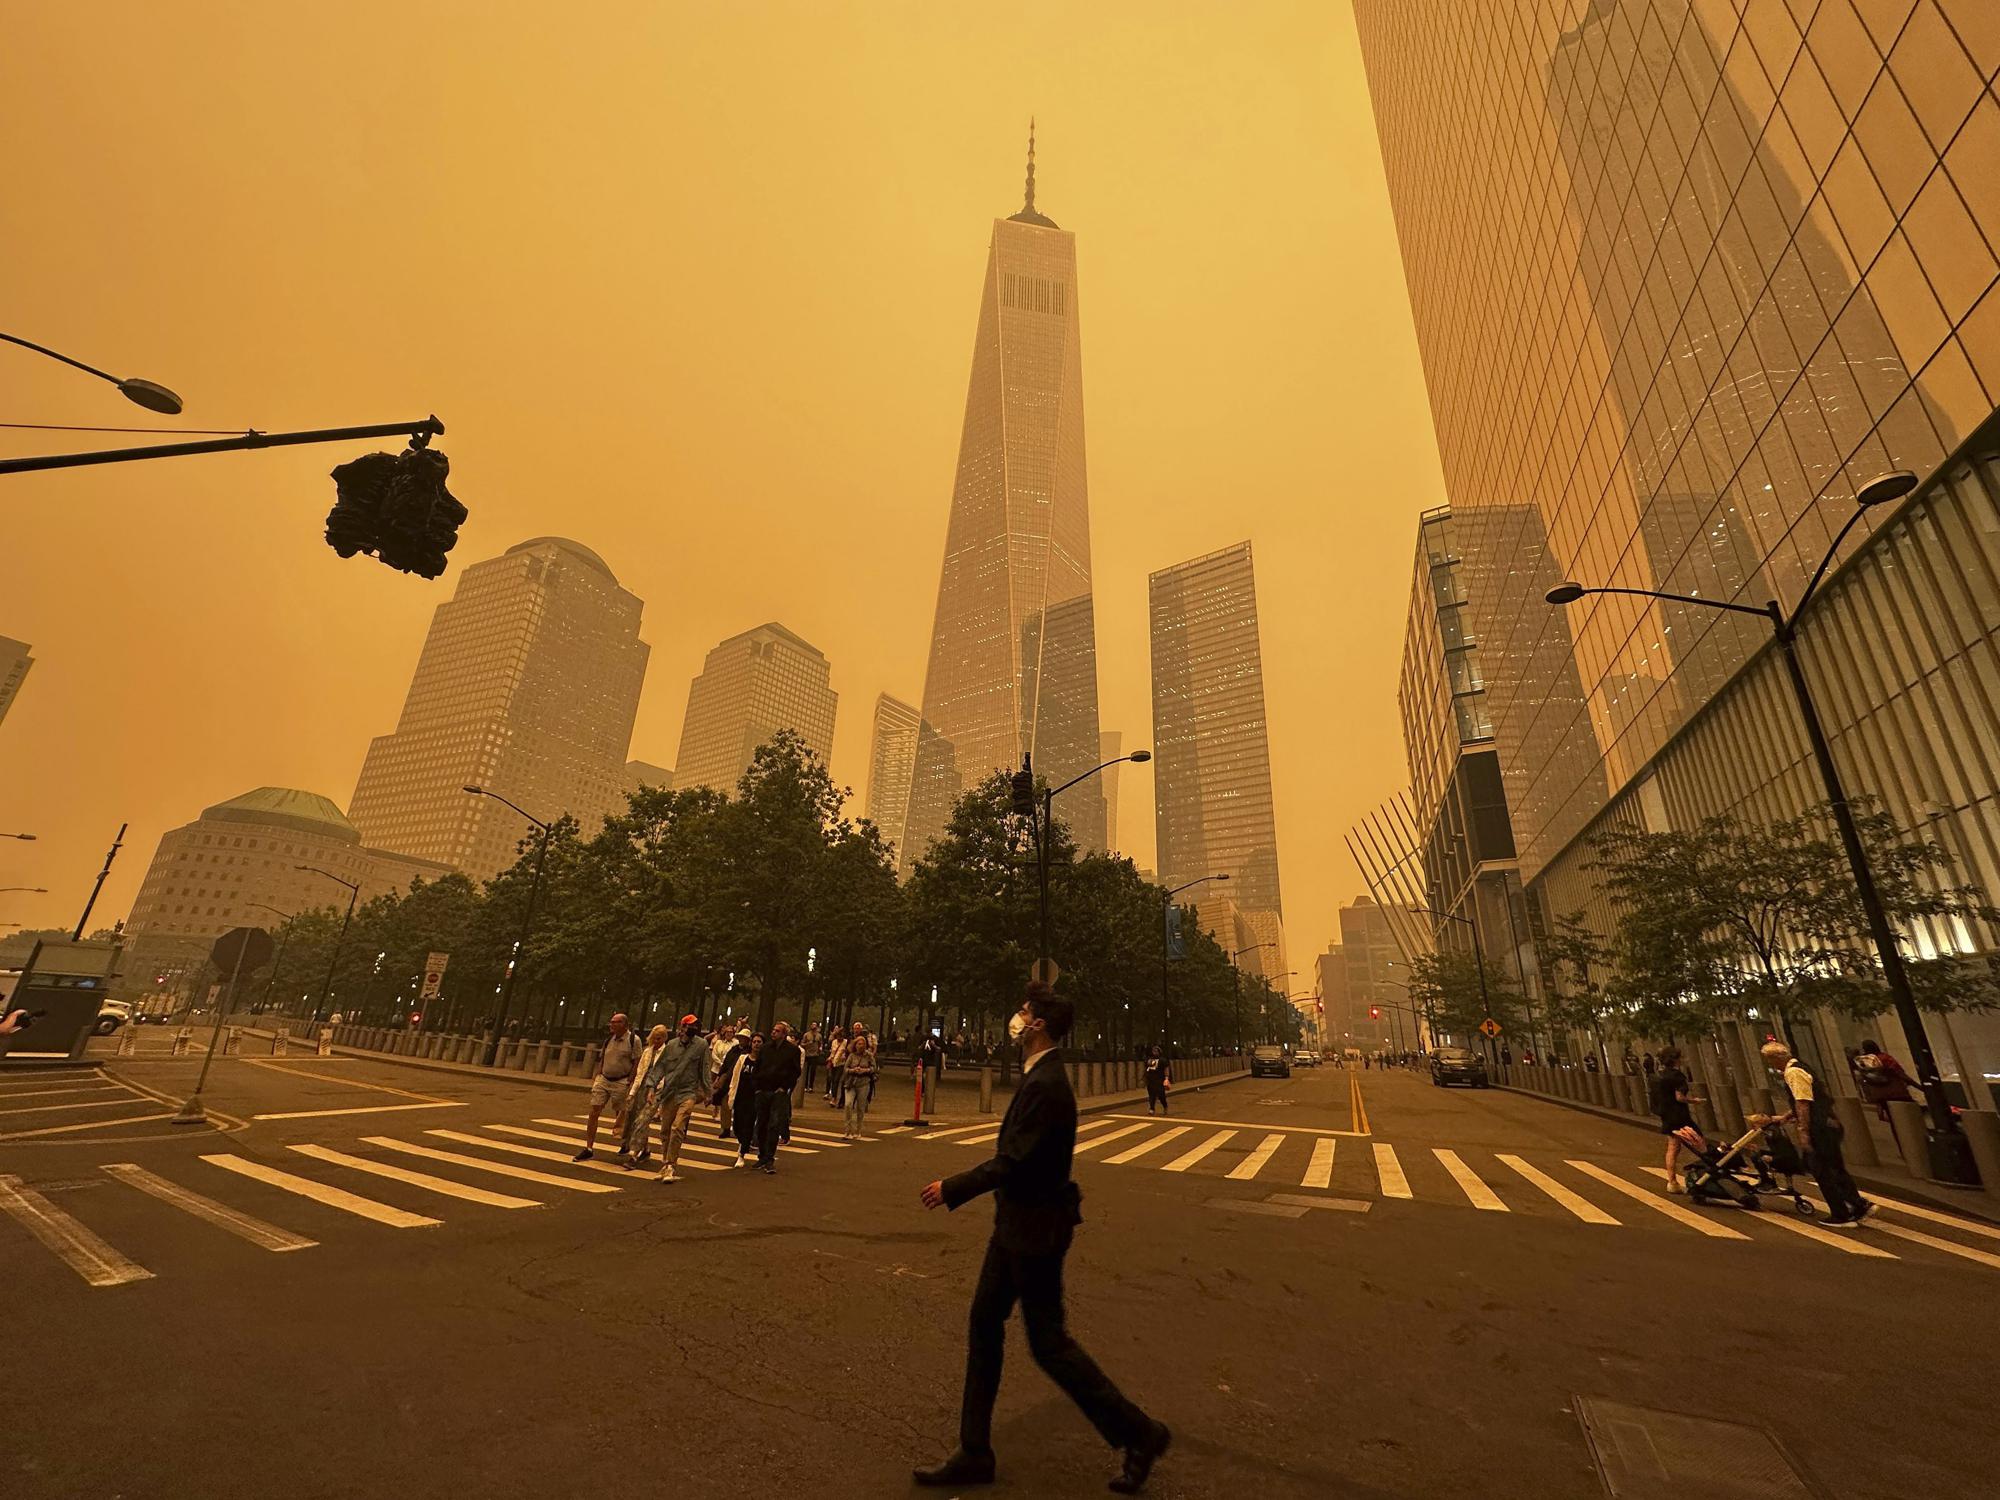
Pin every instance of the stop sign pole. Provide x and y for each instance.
(234, 950)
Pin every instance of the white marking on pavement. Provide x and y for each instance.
(1241, 1124)
(1248, 1206)
(221, 1215)
(500, 1168)
(1948, 1220)
(688, 1145)
(1779, 1217)
(22, 1135)
(1918, 1237)
(361, 1109)
(1342, 1205)
(1481, 1195)
(820, 1137)
(42, 1109)
(423, 1180)
(565, 1140)
(1189, 1158)
(535, 1151)
(896, 1130)
(88, 1088)
(1390, 1172)
(1575, 1202)
(1107, 1138)
(978, 1140)
(79, 1247)
(1143, 1147)
(319, 1192)
(951, 1130)
(1252, 1164)
(1319, 1173)
(1659, 1204)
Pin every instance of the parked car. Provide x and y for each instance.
(111, 1014)
(1268, 1059)
(1305, 1057)
(1451, 1065)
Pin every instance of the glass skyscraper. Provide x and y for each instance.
(1013, 659)
(528, 685)
(751, 686)
(1686, 274)
(891, 759)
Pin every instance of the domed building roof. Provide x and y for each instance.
(563, 544)
(286, 807)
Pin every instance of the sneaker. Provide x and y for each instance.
(768, 1171)
(1676, 1185)
(741, 1160)
(1863, 1211)
(584, 1155)
(667, 1174)
(1843, 1223)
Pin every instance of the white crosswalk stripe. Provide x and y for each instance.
(1152, 1144)
(498, 1168)
(425, 1180)
(1918, 1237)
(574, 1140)
(1251, 1165)
(221, 1215)
(1575, 1202)
(1389, 1172)
(1190, 1159)
(79, 1247)
(1106, 1138)
(1480, 1195)
(1319, 1172)
(1657, 1203)
(319, 1192)
(537, 1152)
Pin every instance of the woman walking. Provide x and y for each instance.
(1670, 1103)
(857, 1079)
(1158, 1081)
(836, 1059)
(734, 1094)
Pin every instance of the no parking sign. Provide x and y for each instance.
(434, 974)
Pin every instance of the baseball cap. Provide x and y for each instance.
(690, 1020)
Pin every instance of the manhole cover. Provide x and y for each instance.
(1247, 1206)
(1646, 1454)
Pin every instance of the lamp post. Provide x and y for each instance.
(91, 904)
(38, 890)
(284, 937)
(527, 921)
(1166, 957)
(1044, 813)
(27, 838)
(1955, 1161)
(1478, 957)
(353, 895)
(1253, 948)
(147, 393)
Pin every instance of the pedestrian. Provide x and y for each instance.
(811, 1049)
(678, 1078)
(1648, 1064)
(775, 1076)
(1629, 1063)
(743, 1092)
(638, 1117)
(1036, 1208)
(613, 1083)
(836, 1060)
(1883, 1080)
(1158, 1080)
(857, 1079)
(719, 1048)
(1819, 1131)
(1670, 1103)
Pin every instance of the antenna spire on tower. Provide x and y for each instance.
(1029, 206)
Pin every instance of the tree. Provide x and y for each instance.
(1580, 968)
(1446, 987)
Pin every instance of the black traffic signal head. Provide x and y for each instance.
(1023, 787)
(396, 506)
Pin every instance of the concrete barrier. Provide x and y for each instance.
(986, 1089)
(232, 1041)
(539, 1063)
(1858, 1141)
(1982, 1131)
(128, 1040)
(1907, 1117)
(183, 1039)
(325, 1048)
(572, 1052)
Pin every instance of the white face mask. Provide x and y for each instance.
(1016, 1024)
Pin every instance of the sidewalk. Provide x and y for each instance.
(1884, 1180)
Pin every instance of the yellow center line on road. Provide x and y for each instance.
(1358, 1111)
(351, 1083)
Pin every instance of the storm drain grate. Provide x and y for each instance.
(1646, 1454)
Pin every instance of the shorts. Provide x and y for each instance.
(609, 1091)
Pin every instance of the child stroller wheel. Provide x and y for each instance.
(1802, 1206)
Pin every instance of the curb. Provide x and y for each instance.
(1924, 1193)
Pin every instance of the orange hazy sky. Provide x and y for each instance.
(694, 284)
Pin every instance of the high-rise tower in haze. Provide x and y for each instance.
(1013, 661)
(528, 685)
(15, 659)
(890, 762)
(751, 686)
(1211, 742)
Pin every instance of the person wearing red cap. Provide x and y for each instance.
(679, 1077)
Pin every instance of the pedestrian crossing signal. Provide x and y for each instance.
(1374, 1012)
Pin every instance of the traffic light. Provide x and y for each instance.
(1023, 786)
(396, 507)
(1374, 1012)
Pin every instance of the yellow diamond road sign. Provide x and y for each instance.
(1490, 1027)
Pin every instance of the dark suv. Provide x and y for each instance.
(1268, 1059)
(1451, 1065)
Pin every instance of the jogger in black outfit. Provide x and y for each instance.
(1158, 1080)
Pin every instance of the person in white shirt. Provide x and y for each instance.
(1820, 1131)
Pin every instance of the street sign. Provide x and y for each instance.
(1489, 1027)
(244, 949)
(1045, 971)
(434, 974)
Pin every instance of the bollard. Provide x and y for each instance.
(232, 1041)
(1858, 1145)
(986, 1089)
(571, 1051)
(591, 1056)
(280, 1040)
(1907, 1117)
(326, 1041)
(1982, 1131)
(182, 1039)
(539, 1063)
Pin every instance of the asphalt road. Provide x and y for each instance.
(1257, 1278)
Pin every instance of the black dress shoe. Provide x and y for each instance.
(960, 1468)
(1139, 1461)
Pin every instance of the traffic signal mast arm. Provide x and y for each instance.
(426, 429)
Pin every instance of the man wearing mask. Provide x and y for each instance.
(1036, 1209)
(778, 1068)
(679, 1078)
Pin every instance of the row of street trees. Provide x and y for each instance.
(772, 903)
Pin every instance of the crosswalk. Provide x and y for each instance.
(1570, 1190)
(410, 1182)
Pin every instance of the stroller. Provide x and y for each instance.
(1742, 1173)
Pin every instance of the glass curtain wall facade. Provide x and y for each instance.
(892, 758)
(1013, 658)
(751, 686)
(1685, 275)
(528, 685)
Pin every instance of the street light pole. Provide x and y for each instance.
(1166, 958)
(353, 895)
(1047, 811)
(1253, 948)
(82, 921)
(527, 922)
(1888, 948)
(147, 393)
(284, 937)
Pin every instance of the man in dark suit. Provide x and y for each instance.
(1036, 1208)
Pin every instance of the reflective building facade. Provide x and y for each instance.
(528, 685)
(891, 760)
(751, 686)
(1013, 658)
(1686, 274)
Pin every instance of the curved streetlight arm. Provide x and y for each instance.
(1739, 609)
(352, 885)
(1826, 562)
(52, 354)
(1450, 916)
(1192, 884)
(1117, 760)
(483, 792)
